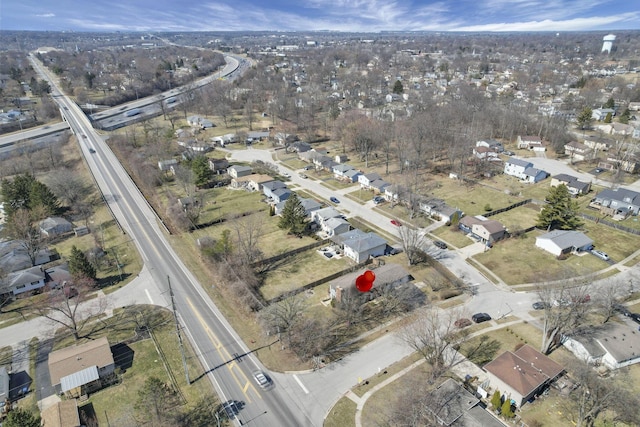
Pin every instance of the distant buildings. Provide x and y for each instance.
(607, 44)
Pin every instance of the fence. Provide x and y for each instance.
(508, 208)
(610, 224)
(276, 258)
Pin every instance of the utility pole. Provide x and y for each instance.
(175, 317)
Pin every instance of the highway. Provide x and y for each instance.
(215, 342)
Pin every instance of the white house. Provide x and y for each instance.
(334, 226)
(366, 179)
(339, 170)
(359, 245)
(530, 142)
(322, 215)
(560, 242)
(523, 170)
(237, 171)
(614, 345)
(23, 281)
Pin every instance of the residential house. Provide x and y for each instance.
(378, 186)
(366, 179)
(484, 153)
(530, 142)
(55, 226)
(599, 114)
(522, 374)
(437, 209)
(492, 144)
(280, 195)
(199, 122)
(577, 151)
(223, 140)
(334, 226)
(285, 138)
(253, 182)
(341, 158)
(390, 274)
(299, 147)
(614, 345)
(394, 193)
(14, 256)
(451, 405)
(573, 184)
(236, 171)
(324, 162)
(23, 281)
(268, 188)
(165, 165)
(352, 175)
(62, 414)
(258, 136)
(524, 170)
(359, 246)
(486, 230)
(618, 202)
(57, 277)
(597, 144)
(81, 369)
(320, 216)
(621, 129)
(218, 166)
(629, 164)
(309, 206)
(340, 169)
(560, 242)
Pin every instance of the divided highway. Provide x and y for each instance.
(227, 361)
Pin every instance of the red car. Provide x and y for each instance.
(396, 223)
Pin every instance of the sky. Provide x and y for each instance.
(320, 15)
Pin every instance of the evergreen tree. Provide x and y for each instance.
(610, 103)
(293, 216)
(625, 116)
(25, 192)
(42, 197)
(584, 118)
(201, 170)
(607, 118)
(223, 246)
(79, 265)
(397, 87)
(496, 400)
(560, 212)
(506, 409)
(21, 418)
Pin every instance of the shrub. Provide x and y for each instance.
(449, 293)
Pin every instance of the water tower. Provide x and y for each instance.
(608, 42)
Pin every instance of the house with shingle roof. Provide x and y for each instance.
(523, 170)
(619, 201)
(560, 242)
(521, 374)
(486, 230)
(359, 246)
(574, 185)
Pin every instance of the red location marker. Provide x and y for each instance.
(364, 282)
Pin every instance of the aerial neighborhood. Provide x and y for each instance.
(320, 229)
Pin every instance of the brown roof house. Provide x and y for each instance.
(522, 374)
(486, 230)
(81, 369)
(62, 414)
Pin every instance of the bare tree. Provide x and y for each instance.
(20, 227)
(71, 307)
(414, 243)
(597, 397)
(67, 186)
(433, 335)
(282, 316)
(248, 232)
(608, 296)
(565, 310)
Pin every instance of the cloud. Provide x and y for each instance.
(46, 15)
(577, 24)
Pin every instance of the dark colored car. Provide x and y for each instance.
(622, 309)
(635, 317)
(480, 317)
(334, 199)
(441, 245)
(91, 150)
(539, 305)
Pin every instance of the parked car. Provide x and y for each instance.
(508, 153)
(462, 323)
(334, 199)
(396, 223)
(622, 309)
(303, 176)
(539, 305)
(635, 317)
(602, 255)
(439, 244)
(261, 379)
(480, 317)
(308, 168)
(378, 199)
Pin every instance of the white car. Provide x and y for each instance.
(602, 255)
(262, 380)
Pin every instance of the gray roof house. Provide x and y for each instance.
(237, 171)
(523, 170)
(23, 281)
(165, 165)
(54, 226)
(614, 345)
(574, 185)
(366, 179)
(352, 175)
(14, 257)
(335, 226)
(269, 187)
(280, 195)
(359, 245)
(309, 206)
(340, 169)
(620, 200)
(379, 185)
(560, 242)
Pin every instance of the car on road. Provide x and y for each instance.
(602, 255)
(84, 136)
(334, 199)
(539, 305)
(439, 244)
(303, 176)
(286, 174)
(91, 150)
(230, 408)
(396, 223)
(261, 379)
(462, 323)
(635, 317)
(480, 317)
(622, 309)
